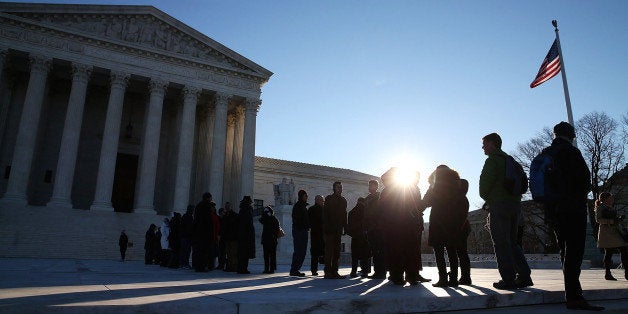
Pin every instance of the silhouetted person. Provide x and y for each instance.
(229, 231)
(334, 222)
(165, 243)
(187, 232)
(174, 240)
(123, 242)
(399, 205)
(360, 250)
(246, 235)
(317, 246)
(222, 245)
(445, 223)
(505, 215)
(300, 228)
(374, 231)
(609, 235)
(269, 239)
(462, 234)
(568, 215)
(213, 248)
(149, 245)
(203, 234)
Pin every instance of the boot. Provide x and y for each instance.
(453, 279)
(465, 276)
(442, 280)
(608, 275)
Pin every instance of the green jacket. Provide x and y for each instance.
(492, 179)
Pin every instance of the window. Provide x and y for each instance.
(258, 207)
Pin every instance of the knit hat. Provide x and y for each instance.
(565, 129)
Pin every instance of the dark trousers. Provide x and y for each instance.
(332, 253)
(365, 265)
(299, 238)
(200, 257)
(463, 256)
(439, 254)
(270, 256)
(376, 243)
(570, 231)
(184, 253)
(222, 253)
(403, 257)
(314, 261)
(504, 217)
(123, 253)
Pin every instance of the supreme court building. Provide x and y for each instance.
(113, 117)
(121, 108)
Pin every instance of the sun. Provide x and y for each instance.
(406, 176)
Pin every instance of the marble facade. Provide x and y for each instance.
(121, 107)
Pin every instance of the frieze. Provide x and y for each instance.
(143, 30)
(211, 74)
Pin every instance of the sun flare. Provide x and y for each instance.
(406, 176)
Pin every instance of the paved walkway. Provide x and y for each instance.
(100, 286)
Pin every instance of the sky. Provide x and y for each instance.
(367, 85)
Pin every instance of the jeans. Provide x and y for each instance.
(505, 219)
(570, 231)
(299, 238)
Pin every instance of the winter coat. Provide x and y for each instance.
(334, 214)
(123, 241)
(246, 231)
(187, 226)
(400, 216)
(300, 219)
(371, 213)
(492, 179)
(447, 216)
(315, 214)
(609, 234)
(203, 233)
(355, 228)
(270, 228)
(229, 227)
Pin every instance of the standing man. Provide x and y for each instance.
(374, 231)
(334, 222)
(300, 228)
(568, 216)
(317, 248)
(504, 212)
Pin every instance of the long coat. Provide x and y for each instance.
(608, 235)
(246, 231)
(317, 248)
(270, 228)
(446, 218)
(356, 229)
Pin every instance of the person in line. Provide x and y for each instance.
(443, 196)
(213, 248)
(203, 234)
(174, 240)
(222, 245)
(229, 232)
(334, 222)
(246, 235)
(609, 234)
(300, 228)
(149, 245)
(317, 246)
(165, 243)
(462, 234)
(568, 215)
(187, 232)
(123, 243)
(399, 204)
(504, 213)
(270, 230)
(374, 232)
(360, 250)
(157, 246)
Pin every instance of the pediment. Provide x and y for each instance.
(142, 27)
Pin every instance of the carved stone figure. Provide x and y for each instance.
(284, 192)
(131, 30)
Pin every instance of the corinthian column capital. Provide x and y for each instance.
(40, 63)
(119, 79)
(81, 72)
(158, 86)
(253, 104)
(191, 92)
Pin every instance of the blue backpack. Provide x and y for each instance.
(515, 179)
(544, 176)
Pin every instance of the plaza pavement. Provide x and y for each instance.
(104, 286)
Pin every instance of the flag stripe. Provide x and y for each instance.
(549, 68)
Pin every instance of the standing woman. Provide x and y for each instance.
(246, 235)
(149, 247)
(269, 239)
(609, 235)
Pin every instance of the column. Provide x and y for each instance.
(110, 139)
(27, 132)
(64, 177)
(236, 155)
(5, 93)
(217, 162)
(248, 146)
(226, 183)
(3, 56)
(186, 146)
(144, 202)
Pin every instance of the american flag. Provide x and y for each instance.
(550, 66)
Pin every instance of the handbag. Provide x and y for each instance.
(280, 233)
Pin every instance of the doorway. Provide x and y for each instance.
(124, 183)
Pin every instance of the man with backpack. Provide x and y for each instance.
(566, 185)
(504, 205)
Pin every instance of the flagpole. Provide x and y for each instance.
(562, 70)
